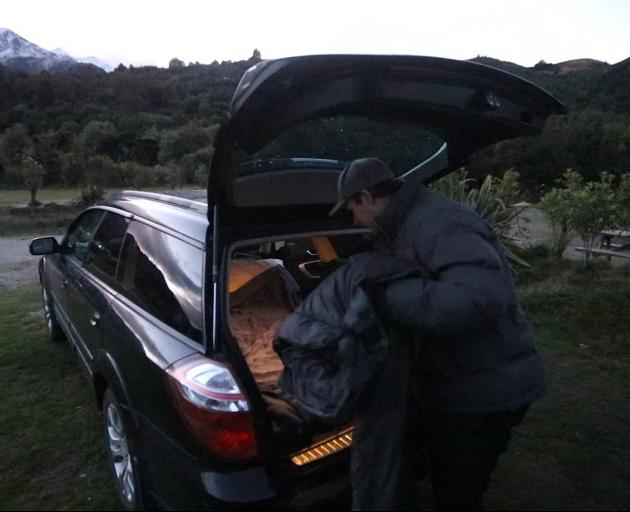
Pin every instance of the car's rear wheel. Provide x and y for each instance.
(122, 454)
(54, 329)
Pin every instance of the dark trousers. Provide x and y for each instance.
(395, 444)
(380, 470)
(460, 452)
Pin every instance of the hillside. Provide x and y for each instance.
(154, 125)
(612, 90)
(593, 137)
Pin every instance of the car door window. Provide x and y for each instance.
(163, 275)
(77, 241)
(106, 245)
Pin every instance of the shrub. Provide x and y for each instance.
(175, 177)
(101, 171)
(79, 170)
(595, 208)
(97, 136)
(538, 252)
(161, 175)
(135, 175)
(201, 176)
(174, 144)
(12, 177)
(89, 195)
(72, 169)
(587, 208)
(557, 205)
(192, 163)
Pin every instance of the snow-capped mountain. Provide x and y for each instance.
(97, 62)
(62, 53)
(18, 53)
(22, 55)
(85, 60)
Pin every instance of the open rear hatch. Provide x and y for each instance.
(464, 105)
(294, 124)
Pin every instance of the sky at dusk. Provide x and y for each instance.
(152, 32)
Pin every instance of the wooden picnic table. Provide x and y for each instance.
(609, 235)
(608, 248)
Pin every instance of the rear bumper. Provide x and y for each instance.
(327, 489)
(246, 486)
(182, 480)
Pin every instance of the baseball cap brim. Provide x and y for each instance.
(337, 207)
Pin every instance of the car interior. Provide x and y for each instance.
(267, 281)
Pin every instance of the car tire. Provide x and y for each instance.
(55, 332)
(122, 453)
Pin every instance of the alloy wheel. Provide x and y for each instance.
(47, 310)
(120, 454)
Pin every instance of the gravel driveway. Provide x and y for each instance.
(17, 266)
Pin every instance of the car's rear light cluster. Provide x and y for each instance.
(213, 407)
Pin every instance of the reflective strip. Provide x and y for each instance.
(324, 449)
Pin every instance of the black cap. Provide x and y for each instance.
(358, 175)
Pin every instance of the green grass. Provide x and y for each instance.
(49, 221)
(31, 227)
(571, 452)
(51, 444)
(45, 195)
(15, 197)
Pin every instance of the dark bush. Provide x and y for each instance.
(89, 195)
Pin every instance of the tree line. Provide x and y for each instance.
(151, 126)
(132, 127)
(593, 138)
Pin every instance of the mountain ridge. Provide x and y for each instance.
(20, 54)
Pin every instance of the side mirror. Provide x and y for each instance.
(44, 245)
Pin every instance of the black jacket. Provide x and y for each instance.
(333, 345)
(477, 352)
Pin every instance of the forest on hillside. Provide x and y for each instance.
(594, 137)
(152, 126)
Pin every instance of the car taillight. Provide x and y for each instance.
(213, 407)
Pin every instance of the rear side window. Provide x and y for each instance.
(163, 275)
(106, 245)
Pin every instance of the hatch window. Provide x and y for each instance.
(339, 139)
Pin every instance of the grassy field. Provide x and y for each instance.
(40, 223)
(44, 221)
(11, 197)
(52, 450)
(571, 452)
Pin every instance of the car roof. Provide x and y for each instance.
(183, 211)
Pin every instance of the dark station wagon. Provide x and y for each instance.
(172, 303)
